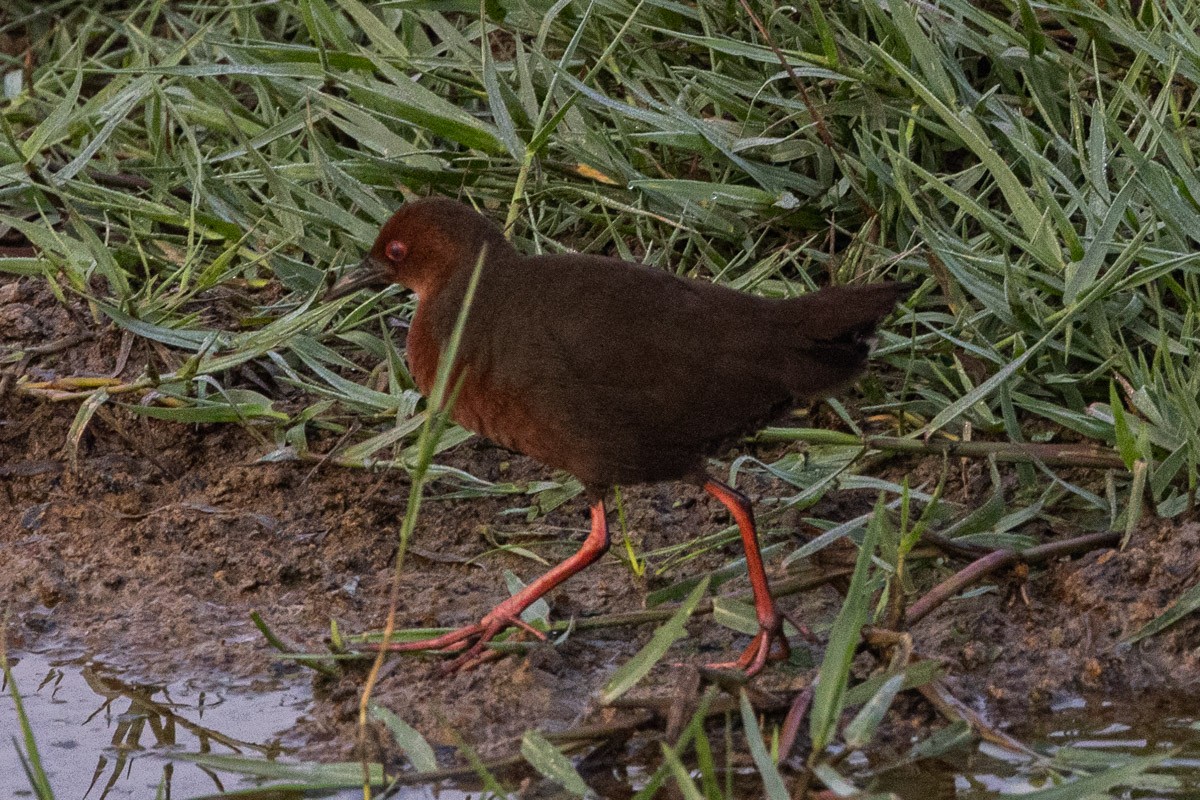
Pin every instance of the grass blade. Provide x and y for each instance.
(552, 764)
(671, 631)
(829, 697)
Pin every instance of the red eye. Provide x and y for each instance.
(396, 251)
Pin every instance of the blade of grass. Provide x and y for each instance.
(829, 698)
(636, 668)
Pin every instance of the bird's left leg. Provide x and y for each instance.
(769, 642)
(508, 612)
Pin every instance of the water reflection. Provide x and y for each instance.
(102, 736)
(1094, 735)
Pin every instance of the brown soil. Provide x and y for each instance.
(1058, 633)
(153, 547)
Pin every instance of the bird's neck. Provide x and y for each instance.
(422, 351)
(440, 301)
(438, 307)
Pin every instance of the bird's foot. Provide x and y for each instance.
(769, 644)
(471, 641)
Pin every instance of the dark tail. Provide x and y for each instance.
(832, 332)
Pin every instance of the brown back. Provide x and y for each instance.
(620, 373)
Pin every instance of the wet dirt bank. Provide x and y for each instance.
(158, 573)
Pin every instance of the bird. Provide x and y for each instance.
(616, 372)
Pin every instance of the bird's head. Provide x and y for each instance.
(423, 246)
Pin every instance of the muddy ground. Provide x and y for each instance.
(155, 544)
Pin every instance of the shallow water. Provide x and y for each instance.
(1092, 734)
(104, 737)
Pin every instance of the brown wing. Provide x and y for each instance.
(622, 374)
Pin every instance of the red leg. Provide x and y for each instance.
(509, 611)
(770, 622)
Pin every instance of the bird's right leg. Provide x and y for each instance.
(508, 612)
(770, 641)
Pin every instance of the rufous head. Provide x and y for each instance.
(422, 246)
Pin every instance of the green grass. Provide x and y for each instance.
(195, 171)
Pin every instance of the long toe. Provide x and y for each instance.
(767, 645)
(470, 643)
(452, 641)
(476, 656)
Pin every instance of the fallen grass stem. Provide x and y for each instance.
(998, 559)
(953, 709)
(57, 346)
(64, 389)
(1053, 455)
(314, 662)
